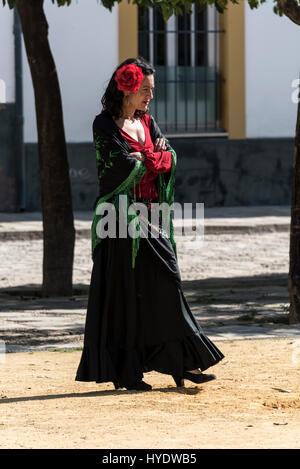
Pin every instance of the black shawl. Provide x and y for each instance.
(119, 172)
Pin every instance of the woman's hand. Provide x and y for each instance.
(138, 155)
(159, 144)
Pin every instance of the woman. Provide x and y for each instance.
(137, 319)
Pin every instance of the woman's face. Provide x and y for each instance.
(141, 98)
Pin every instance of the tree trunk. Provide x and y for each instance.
(294, 270)
(291, 9)
(56, 198)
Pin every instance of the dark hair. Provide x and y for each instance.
(112, 100)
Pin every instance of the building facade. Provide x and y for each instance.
(223, 97)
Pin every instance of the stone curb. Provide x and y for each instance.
(210, 229)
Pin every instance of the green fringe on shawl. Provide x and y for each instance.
(123, 189)
(165, 194)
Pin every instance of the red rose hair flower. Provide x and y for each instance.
(129, 77)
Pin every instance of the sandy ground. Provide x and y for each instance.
(43, 407)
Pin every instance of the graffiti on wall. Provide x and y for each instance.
(82, 174)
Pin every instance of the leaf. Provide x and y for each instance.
(166, 11)
(108, 4)
(11, 3)
(221, 5)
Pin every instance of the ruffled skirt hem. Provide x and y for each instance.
(127, 366)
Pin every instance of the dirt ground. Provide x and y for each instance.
(43, 407)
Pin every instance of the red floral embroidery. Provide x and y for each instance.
(129, 77)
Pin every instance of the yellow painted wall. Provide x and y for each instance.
(128, 30)
(232, 68)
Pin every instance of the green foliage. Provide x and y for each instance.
(170, 7)
(60, 3)
(255, 3)
(11, 3)
(277, 8)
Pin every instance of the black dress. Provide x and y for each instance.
(138, 319)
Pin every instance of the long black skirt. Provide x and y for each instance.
(138, 320)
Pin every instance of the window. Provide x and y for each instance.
(184, 52)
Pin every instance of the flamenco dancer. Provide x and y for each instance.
(138, 319)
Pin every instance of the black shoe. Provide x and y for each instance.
(195, 378)
(116, 385)
(139, 386)
(198, 378)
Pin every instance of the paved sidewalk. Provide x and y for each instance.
(235, 282)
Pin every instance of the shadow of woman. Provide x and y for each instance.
(183, 390)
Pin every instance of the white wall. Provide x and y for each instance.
(272, 63)
(7, 56)
(84, 42)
